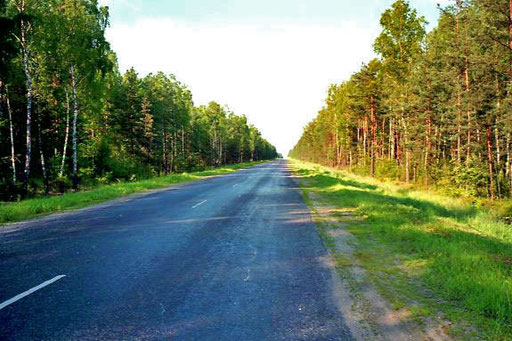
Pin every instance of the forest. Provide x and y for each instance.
(432, 109)
(69, 118)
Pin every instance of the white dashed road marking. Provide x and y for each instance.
(30, 291)
(200, 203)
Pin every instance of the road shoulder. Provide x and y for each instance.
(368, 314)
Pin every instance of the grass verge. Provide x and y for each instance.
(440, 257)
(29, 208)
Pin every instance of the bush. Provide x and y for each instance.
(470, 179)
(387, 169)
(102, 156)
(62, 184)
(9, 191)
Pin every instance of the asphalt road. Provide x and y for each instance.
(234, 257)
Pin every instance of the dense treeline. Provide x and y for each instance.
(68, 117)
(433, 108)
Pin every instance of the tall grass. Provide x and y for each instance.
(458, 250)
(17, 211)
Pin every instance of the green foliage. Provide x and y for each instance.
(401, 37)
(102, 156)
(386, 169)
(128, 127)
(432, 110)
(460, 252)
(8, 190)
(471, 179)
(62, 184)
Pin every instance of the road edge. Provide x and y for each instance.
(46, 217)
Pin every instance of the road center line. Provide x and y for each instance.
(200, 203)
(30, 291)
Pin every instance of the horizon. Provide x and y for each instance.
(220, 50)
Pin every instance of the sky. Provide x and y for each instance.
(271, 60)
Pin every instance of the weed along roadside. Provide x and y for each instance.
(433, 264)
(29, 208)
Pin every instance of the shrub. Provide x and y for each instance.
(62, 184)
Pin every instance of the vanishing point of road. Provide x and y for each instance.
(233, 257)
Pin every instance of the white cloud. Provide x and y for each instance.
(277, 74)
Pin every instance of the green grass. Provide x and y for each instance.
(29, 208)
(430, 252)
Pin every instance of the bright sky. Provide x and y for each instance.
(271, 60)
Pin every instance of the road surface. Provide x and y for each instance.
(235, 257)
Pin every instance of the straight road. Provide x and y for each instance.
(235, 257)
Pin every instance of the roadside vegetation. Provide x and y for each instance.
(70, 118)
(29, 208)
(437, 256)
(432, 109)
(421, 140)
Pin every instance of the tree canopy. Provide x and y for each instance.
(69, 117)
(433, 108)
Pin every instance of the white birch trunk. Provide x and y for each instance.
(41, 155)
(11, 133)
(182, 142)
(75, 117)
(66, 138)
(28, 153)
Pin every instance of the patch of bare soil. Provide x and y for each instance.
(368, 315)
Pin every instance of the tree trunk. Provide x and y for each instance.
(407, 166)
(407, 151)
(374, 136)
(490, 162)
(66, 137)
(75, 117)
(165, 146)
(391, 140)
(497, 138)
(508, 165)
(510, 38)
(220, 151)
(443, 145)
(182, 142)
(337, 143)
(427, 144)
(365, 133)
(496, 131)
(498, 150)
(466, 73)
(398, 148)
(41, 156)
(11, 135)
(176, 142)
(382, 137)
(457, 70)
(28, 153)
(173, 150)
(162, 165)
(214, 147)
(459, 142)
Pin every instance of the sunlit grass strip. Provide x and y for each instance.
(17, 211)
(456, 249)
